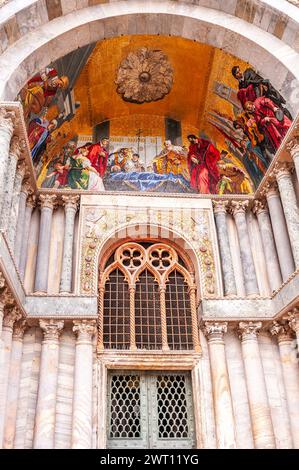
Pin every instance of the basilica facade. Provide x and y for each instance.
(149, 224)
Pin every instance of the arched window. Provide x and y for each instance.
(147, 300)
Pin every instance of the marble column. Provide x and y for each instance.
(14, 154)
(289, 363)
(14, 209)
(293, 318)
(46, 401)
(13, 384)
(262, 427)
(293, 148)
(290, 207)
(6, 132)
(82, 401)
(30, 204)
(280, 231)
(272, 263)
(11, 315)
(47, 202)
(225, 426)
(70, 209)
(25, 191)
(220, 209)
(239, 211)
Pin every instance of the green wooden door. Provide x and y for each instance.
(150, 410)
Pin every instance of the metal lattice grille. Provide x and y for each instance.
(178, 313)
(147, 313)
(172, 407)
(116, 312)
(125, 406)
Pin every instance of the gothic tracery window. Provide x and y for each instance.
(147, 300)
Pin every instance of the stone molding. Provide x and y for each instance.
(11, 316)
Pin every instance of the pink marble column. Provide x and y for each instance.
(82, 402)
(46, 401)
(262, 427)
(13, 384)
(225, 425)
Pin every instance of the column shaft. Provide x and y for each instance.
(26, 232)
(82, 402)
(70, 204)
(20, 223)
(14, 209)
(262, 427)
(225, 426)
(6, 132)
(46, 400)
(14, 154)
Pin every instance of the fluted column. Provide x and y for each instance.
(14, 154)
(225, 426)
(14, 209)
(70, 209)
(239, 211)
(13, 384)
(290, 207)
(47, 202)
(6, 132)
(293, 148)
(82, 402)
(46, 401)
(30, 204)
(220, 210)
(26, 189)
(272, 263)
(289, 363)
(10, 316)
(280, 231)
(262, 427)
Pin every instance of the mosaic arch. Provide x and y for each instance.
(153, 114)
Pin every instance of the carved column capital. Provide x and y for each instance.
(293, 318)
(293, 147)
(7, 119)
(220, 206)
(26, 188)
(214, 330)
(11, 316)
(21, 168)
(238, 207)
(281, 170)
(47, 201)
(15, 147)
(84, 329)
(3, 284)
(270, 189)
(70, 202)
(31, 201)
(259, 206)
(19, 329)
(249, 329)
(51, 329)
(281, 330)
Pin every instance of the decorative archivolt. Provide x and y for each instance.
(160, 259)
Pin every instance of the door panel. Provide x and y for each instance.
(150, 410)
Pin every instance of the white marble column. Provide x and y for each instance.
(25, 191)
(14, 209)
(289, 363)
(262, 427)
(46, 401)
(82, 401)
(14, 154)
(290, 206)
(70, 209)
(272, 263)
(220, 210)
(6, 132)
(47, 202)
(10, 316)
(239, 210)
(293, 148)
(225, 425)
(30, 204)
(280, 231)
(13, 384)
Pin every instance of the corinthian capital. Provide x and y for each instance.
(259, 206)
(249, 329)
(282, 331)
(51, 328)
(220, 206)
(238, 207)
(270, 189)
(293, 319)
(70, 202)
(281, 170)
(15, 147)
(26, 188)
(293, 146)
(21, 168)
(84, 329)
(19, 329)
(6, 119)
(11, 316)
(215, 330)
(31, 201)
(47, 200)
